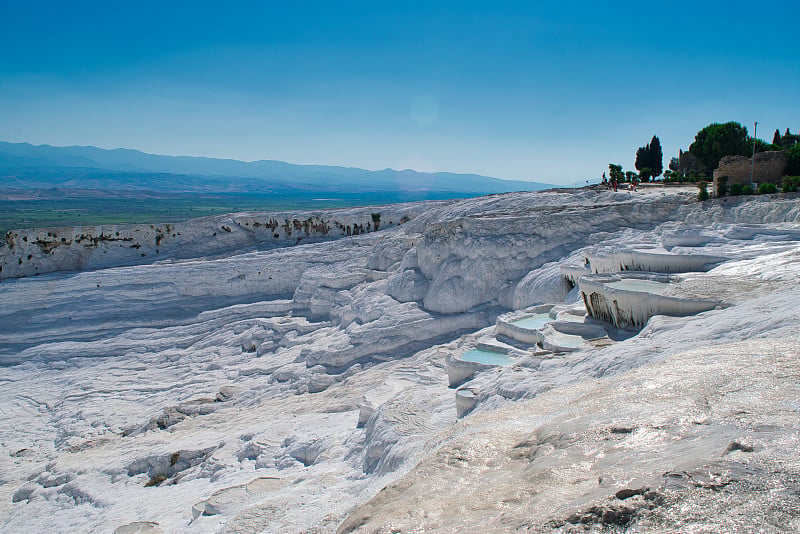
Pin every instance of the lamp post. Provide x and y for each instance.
(753, 160)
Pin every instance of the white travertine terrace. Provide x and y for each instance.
(229, 385)
(646, 260)
(632, 308)
(506, 324)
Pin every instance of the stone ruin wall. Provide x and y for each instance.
(769, 167)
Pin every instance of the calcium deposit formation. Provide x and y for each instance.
(527, 362)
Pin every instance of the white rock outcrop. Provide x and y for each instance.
(28, 252)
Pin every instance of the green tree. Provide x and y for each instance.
(649, 157)
(718, 140)
(615, 172)
(790, 184)
(722, 186)
(793, 165)
(656, 157)
(761, 146)
(702, 194)
(789, 139)
(642, 154)
(673, 164)
(776, 139)
(689, 165)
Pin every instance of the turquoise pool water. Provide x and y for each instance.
(644, 286)
(534, 322)
(486, 357)
(568, 341)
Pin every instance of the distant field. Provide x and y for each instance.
(16, 214)
(95, 211)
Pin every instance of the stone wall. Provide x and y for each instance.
(769, 167)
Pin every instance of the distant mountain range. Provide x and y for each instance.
(26, 166)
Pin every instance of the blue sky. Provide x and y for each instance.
(547, 91)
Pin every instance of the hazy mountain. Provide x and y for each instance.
(23, 165)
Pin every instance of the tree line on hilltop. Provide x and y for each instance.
(710, 145)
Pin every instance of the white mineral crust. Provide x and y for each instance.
(235, 381)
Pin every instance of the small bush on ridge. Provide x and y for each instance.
(703, 191)
(767, 189)
(790, 184)
(722, 186)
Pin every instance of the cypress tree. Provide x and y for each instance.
(776, 139)
(642, 157)
(655, 156)
(650, 157)
(790, 139)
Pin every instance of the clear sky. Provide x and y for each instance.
(547, 91)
